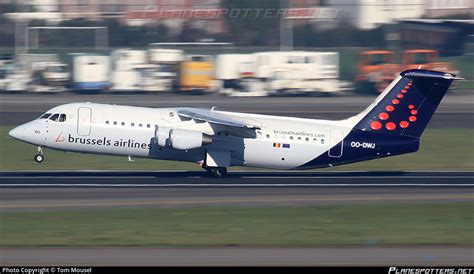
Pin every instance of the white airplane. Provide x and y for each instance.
(391, 125)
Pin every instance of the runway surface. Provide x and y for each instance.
(455, 111)
(100, 189)
(60, 190)
(240, 256)
(103, 178)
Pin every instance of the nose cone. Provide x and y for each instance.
(22, 132)
(16, 133)
(28, 133)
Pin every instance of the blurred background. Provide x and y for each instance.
(236, 48)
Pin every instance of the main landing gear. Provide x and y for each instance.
(217, 172)
(39, 158)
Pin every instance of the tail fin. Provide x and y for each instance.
(407, 104)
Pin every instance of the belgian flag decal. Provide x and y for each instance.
(280, 145)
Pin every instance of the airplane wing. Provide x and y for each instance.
(236, 126)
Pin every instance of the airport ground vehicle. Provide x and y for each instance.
(14, 78)
(235, 74)
(166, 70)
(425, 59)
(232, 69)
(280, 72)
(124, 76)
(197, 74)
(376, 69)
(6, 68)
(6, 59)
(306, 73)
(91, 72)
(154, 79)
(49, 77)
(391, 125)
(36, 73)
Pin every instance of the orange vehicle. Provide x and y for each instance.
(377, 68)
(196, 73)
(425, 59)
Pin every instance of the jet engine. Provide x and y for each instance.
(162, 135)
(181, 139)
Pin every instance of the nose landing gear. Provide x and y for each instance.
(39, 158)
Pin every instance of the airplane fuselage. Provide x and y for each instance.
(281, 143)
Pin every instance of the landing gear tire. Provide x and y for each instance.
(39, 158)
(219, 172)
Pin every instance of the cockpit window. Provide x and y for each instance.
(45, 116)
(54, 117)
(57, 117)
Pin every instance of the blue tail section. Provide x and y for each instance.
(409, 105)
(393, 124)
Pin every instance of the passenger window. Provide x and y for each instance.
(132, 124)
(148, 126)
(45, 116)
(123, 123)
(268, 136)
(115, 123)
(299, 138)
(322, 141)
(62, 118)
(54, 117)
(140, 125)
(307, 139)
(291, 137)
(106, 122)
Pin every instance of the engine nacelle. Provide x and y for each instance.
(181, 139)
(162, 135)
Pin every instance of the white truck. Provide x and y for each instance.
(49, 77)
(236, 74)
(297, 72)
(125, 75)
(91, 72)
(7, 64)
(36, 73)
(165, 73)
(280, 72)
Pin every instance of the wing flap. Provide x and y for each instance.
(214, 117)
(222, 122)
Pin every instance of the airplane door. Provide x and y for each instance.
(336, 142)
(84, 120)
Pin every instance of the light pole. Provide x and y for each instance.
(286, 29)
